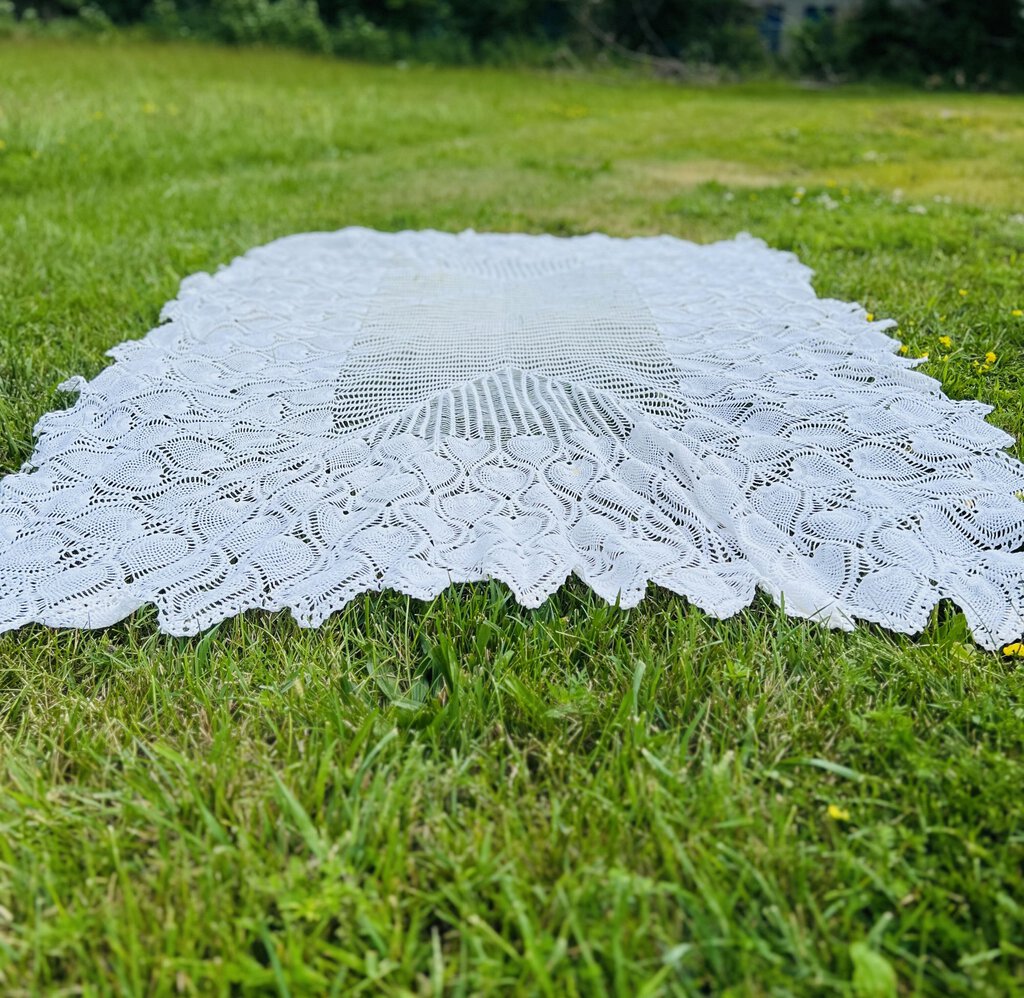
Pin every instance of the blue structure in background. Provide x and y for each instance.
(779, 18)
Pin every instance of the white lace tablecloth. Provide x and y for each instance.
(338, 413)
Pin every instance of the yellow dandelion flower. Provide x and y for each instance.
(1017, 648)
(837, 813)
(945, 341)
(923, 356)
(1016, 313)
(870, 316)
(903, 349)
(990, 357)
(962, 292)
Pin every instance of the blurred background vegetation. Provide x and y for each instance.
(962, 44)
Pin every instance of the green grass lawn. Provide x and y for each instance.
(464, 796)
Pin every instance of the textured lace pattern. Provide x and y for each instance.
(345, 412)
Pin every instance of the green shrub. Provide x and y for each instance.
(292, 23)
(7, 18)
(941, 42)
(359, 38)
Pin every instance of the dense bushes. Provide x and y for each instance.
(720, 31)
(936, 42)
(705, 31)
(292, 23)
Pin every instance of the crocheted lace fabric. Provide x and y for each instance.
(345, 412)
